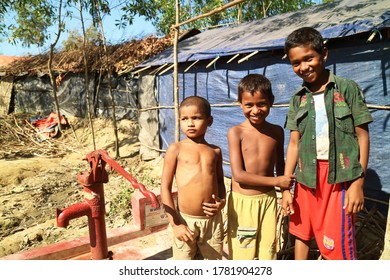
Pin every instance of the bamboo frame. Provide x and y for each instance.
(247, 57)
(141, 70)
(167, 69)
(212, 62)
(155, 71)
(188, 68)
(233, 58)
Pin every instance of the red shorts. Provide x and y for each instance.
(320, 213)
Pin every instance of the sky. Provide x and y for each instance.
(113, 34)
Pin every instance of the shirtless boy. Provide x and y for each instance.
(256, 149)
(196, 168)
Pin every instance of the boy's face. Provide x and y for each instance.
(308, 64)
(193, 121)
(255, 107)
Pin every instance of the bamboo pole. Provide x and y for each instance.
(176, 71)
(155, 71)
(233, 58)
(247, 57)
(167, 69)
(212, 62)
(140, 70)
(217, 10)
(188, 68)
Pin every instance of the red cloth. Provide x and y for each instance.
(48, 126)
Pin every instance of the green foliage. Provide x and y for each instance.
(75, 38)
(4, 6)
(162, 13)
(33, 20)
(121, 203)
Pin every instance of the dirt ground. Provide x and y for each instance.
(36, 177)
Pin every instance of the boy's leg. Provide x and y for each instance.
(182, 250)
(301, 250)
(242, 227)
(267, 229)
(333, 228)
(210, 242)
(300, 222)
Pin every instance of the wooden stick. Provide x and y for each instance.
(141, 70)
(233, 58)
(247, 57)
(188, 68)
(155, 71)
(217, 10)
(167, 69)
(212, 62)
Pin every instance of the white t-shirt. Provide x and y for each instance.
(322, 127)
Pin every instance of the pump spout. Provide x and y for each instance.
(73, 212)
(93, 207)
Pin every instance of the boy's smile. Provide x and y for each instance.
(255, 107)
(309, 65)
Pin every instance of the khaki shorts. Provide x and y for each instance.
(252, 226)
(208, 232)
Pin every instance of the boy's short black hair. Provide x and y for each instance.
(255, 83)
(305, 36)
(201, 102)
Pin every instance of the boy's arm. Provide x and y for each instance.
(280, 163)
(354, 199)
(170, 161)
(220, 177)
(240, 175)
(291, 161)
(211, 209)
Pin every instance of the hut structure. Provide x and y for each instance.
(25, 83)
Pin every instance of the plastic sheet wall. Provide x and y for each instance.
(34, 95)
(368, 65)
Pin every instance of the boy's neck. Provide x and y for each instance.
(320, 84)
(196, 140)
(259, 126)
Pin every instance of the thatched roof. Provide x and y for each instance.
(122, 58)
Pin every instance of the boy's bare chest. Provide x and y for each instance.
(197, 157)
(259, 144)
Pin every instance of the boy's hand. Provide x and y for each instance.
(183, 233)
(354, 199)
(211, 209)
(285, 182)
(287, 203)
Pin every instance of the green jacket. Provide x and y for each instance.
(346, 109)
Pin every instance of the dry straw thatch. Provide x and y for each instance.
(121, 58)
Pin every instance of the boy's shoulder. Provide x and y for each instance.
(246, 127)
(185, 144)
(238, 127)
(343, 81)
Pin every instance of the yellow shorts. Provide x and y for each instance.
(207, 245)
(252, 226)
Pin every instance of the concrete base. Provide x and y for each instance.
(127, 243)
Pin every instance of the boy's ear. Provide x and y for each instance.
(325, 54)
(210, 120)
